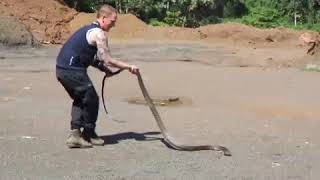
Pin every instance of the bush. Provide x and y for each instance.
(156, 22)
(309, 26)
(210, 20)
(262, 17)
(174, 18)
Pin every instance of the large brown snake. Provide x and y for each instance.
(163, 129)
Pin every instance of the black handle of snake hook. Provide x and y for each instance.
(108, 73)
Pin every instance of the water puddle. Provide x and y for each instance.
(161, 101)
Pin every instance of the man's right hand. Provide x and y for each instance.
(133, 69)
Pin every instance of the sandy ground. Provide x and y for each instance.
(266, 115)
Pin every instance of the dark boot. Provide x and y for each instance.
(91, 136)
(76, 141)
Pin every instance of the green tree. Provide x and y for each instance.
(193, 13)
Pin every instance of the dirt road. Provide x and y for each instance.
(267, 116)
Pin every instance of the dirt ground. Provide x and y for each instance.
(266, 115)
(241, 87)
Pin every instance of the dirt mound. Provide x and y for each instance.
(312, 41)
(239, 33)
(171, 34)
(48, 20)
(52, 21)
(80, 20)
(14, 33)
(128, 26)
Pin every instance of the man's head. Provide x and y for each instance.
(107, 17)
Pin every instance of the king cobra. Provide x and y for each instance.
(156, 115)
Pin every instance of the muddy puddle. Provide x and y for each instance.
(170, 101)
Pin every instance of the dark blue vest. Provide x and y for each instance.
(77, 53)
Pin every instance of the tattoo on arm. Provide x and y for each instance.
(103, 49)
(104, 53)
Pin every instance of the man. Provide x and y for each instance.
(71, 71)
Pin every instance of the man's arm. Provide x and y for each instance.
(104, 53)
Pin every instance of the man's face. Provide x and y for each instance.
(109, 22)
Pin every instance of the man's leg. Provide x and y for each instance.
(90, 108)
(77, 121)
(90, 115)
(71, 81)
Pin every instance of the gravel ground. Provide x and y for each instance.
(267, 117)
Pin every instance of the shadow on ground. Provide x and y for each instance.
(116, 138)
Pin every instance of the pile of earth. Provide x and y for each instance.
(13, 33)
(51, 21)
(312, 40)
(127, 27)
(47, 20)
(130, 27)
(239, 32)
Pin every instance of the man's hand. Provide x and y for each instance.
(133, 69)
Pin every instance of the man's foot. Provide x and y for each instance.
(76, 141)
(92, 137)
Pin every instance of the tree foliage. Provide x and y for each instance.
(269, 13)
(193, 13)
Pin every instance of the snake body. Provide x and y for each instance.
(164, 132)
(156, 115)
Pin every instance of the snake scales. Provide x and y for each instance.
(167, 138)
